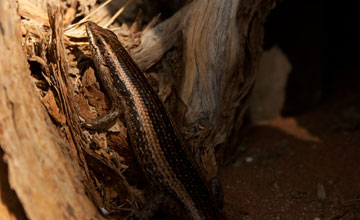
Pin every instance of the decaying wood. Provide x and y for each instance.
(201, 61)
(221, 48)
(39, 168)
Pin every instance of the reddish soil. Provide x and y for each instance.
(304, 167)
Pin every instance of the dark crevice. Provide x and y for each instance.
(321, 42)
(8, 196)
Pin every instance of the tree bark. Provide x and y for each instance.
(221, 44)
(40, 169)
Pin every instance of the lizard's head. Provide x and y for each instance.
(100, 39)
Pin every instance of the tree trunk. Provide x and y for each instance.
(40, 170)
(220, 47)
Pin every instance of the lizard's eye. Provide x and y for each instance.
(98, 42)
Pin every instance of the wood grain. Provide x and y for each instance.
(220, 50)
(39, 168)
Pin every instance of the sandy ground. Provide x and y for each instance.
(304, 167)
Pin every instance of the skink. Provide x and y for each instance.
(158, 149)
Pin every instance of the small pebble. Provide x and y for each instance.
(321, 193)
(249, 159)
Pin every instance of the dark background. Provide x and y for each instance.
(321, 40)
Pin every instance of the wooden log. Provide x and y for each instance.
(40, 170)
(220, 47)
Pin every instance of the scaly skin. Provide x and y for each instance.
(158, 150)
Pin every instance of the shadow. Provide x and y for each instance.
(279, 174)
(148, 9)
(8, 195)
(321, 43)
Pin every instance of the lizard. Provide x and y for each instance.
(158, 148)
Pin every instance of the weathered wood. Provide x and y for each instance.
(40, 170)
(221, 49)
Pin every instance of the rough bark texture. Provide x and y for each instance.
(205, 58)
(222, 45)
(40, 170)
